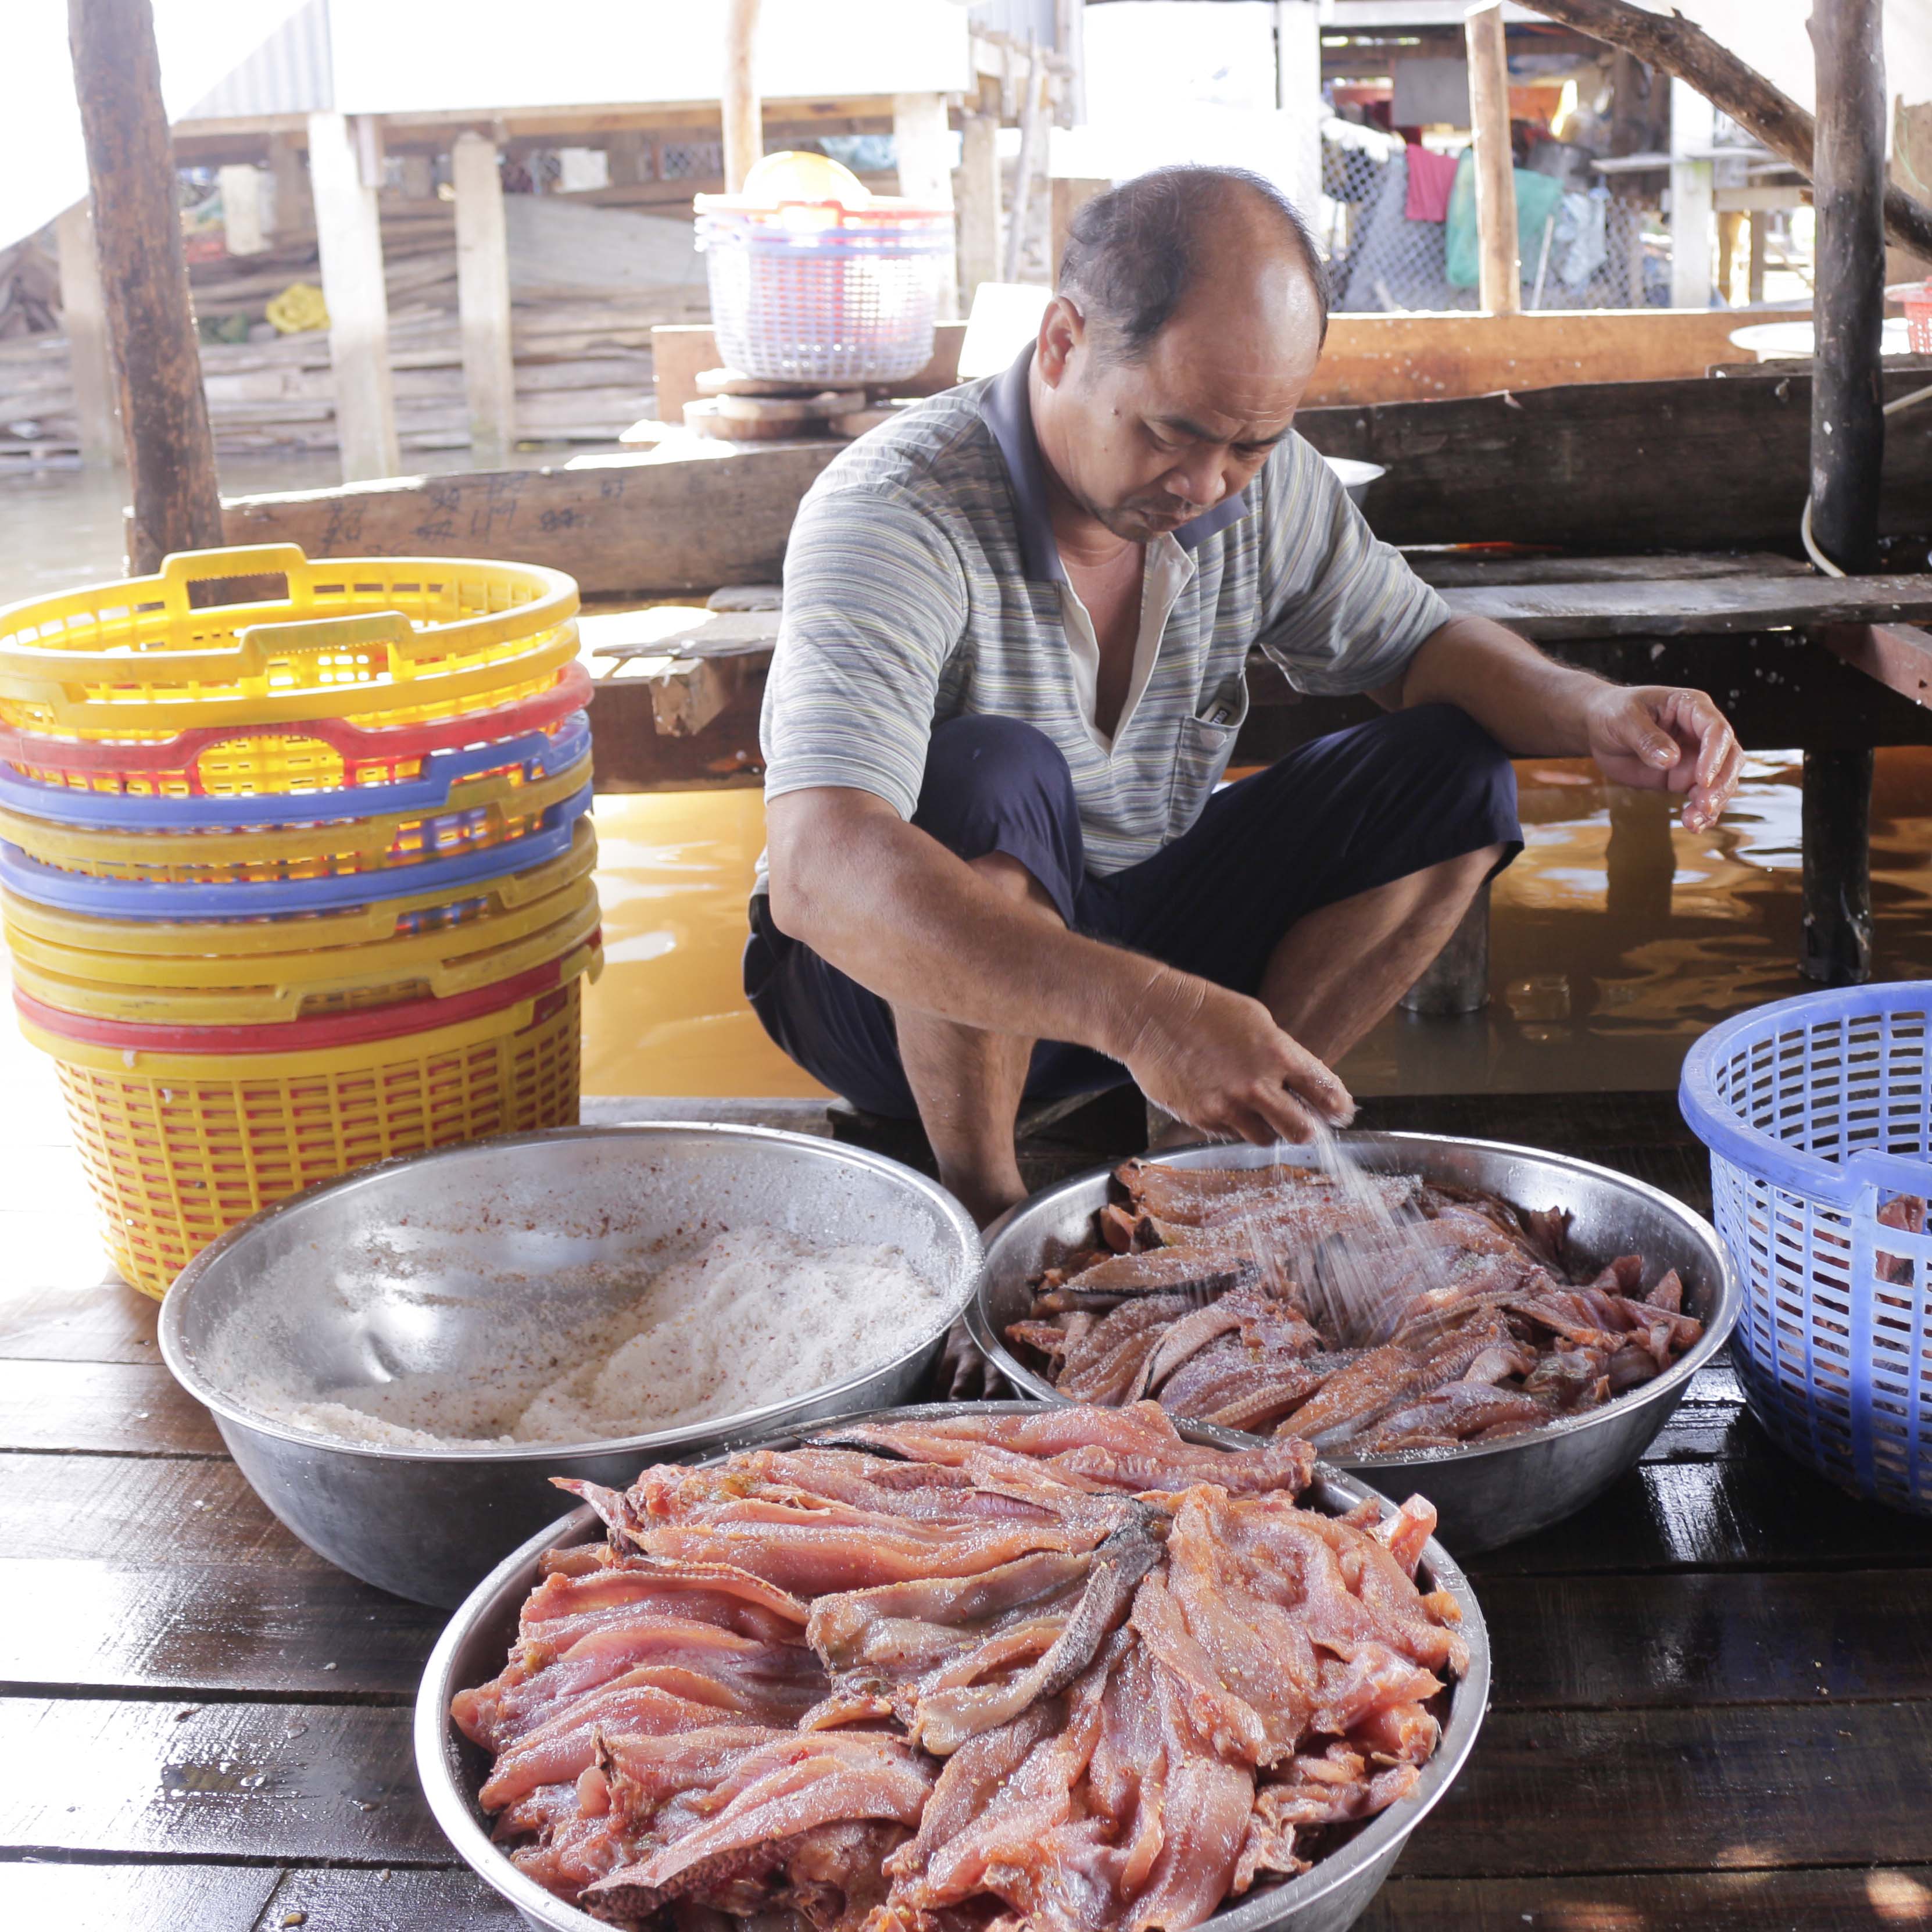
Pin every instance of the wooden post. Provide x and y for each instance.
(294, 211)
(350, 237)
(1070, 38)
(1693, 197)
(744, 123)
(1068, 195)
(1847, 450)
(629, 155)
(924, 146)
(1760, 239)
(90, 357)
(419, 178)
(980, 195)
(241, 209)
(483, 299)
(137, 233)
(1499, 272)
(1030, 117)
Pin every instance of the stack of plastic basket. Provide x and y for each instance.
(1818, 1114)
(294, 883)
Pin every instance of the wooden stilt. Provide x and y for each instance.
(483, 298)
(1847, 449)
(351, 241)
(980, 195)
(90, 356)
(1760, 238)
(1457, 980)
(294, 208)
(244, 231)
(629, 155)
(419, 177)
(924, 146)
(744, 121)
(1499, 270)
(143, 271)
(1692, 198)
(1030, 119)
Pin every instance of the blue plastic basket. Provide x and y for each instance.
(141, 898)
(1818, 1114)
(540, 753)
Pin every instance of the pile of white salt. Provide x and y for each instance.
(756, 1317)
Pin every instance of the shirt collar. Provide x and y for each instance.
(1007, 411)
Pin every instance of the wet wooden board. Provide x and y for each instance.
(229, 1781)
(1676, 1790)
(1665, 607)
(192, 1628)
(1767, 1637)
(1811, 1901)
(98, 1319)
(131, 1408)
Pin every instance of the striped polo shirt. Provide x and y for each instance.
(922, 583)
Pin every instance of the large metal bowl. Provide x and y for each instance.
(416, 1266)
(1486, 1495)
(1331, 1897)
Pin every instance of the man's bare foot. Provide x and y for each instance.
(965, 1375)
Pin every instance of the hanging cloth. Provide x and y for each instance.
(1431, 177)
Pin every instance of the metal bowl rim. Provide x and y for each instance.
(1383, 1836)
(181, 1362)
(1730, 1301)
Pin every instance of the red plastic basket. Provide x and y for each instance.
(277, 760)
(1918, 319)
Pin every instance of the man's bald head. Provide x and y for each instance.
(1135, 254)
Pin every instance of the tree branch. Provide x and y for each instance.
(1679, 46)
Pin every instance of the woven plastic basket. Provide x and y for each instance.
(816, 292)
(521, 761)
(375, 922)
(314, 756)
(1818, 1114)
(379, 641)
(269, 989)
(179, 1147)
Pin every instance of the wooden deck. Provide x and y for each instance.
(1713, 1689)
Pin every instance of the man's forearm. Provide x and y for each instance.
(896, 911)
(1532, 706)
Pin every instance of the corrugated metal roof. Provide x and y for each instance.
(290, 73)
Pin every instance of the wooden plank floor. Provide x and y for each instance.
(1713, 1702)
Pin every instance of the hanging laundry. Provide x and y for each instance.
(1431, 177)
(1537, 197)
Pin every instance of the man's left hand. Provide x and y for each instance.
(1667, 740)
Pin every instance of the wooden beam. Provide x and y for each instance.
(483, 298)
(744, 133)
(1696, 465)
(1661, 607)
(923, 144)
(1499, 272)
(651, 528)
(90, 356)
(1847, 450)
(143, 269)
(350, 237)
(1682, 49)
(1297, 40)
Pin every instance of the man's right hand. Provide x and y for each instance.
(1216, 1059)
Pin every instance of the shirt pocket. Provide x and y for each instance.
(1205, 742)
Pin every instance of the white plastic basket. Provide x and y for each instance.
(814, 292)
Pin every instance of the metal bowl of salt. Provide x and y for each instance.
(1485, 1494)
(434, 1266)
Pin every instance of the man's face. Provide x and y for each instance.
(1145, 446)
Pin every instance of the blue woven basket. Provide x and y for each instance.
(1818, 1114)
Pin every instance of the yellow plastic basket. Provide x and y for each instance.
(379, 641)
(379, 923)
(179, 1147)
(272, 988)
(483, 814)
